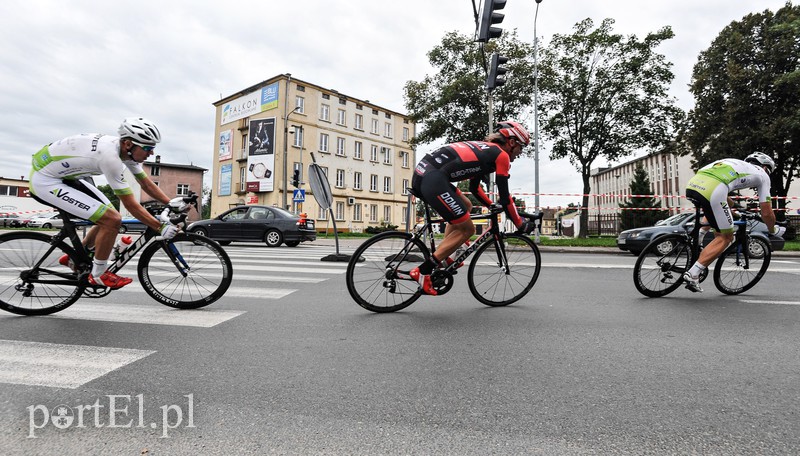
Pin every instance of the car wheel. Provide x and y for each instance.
(292, 243)
(756, 248)
(273, 238)
(664, 247)
(200, 232)
(47, 226)
(123, 229)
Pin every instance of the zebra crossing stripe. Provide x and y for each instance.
(155, 314)
(60, 366)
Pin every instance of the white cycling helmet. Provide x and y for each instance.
(761, 159)
(140, 130)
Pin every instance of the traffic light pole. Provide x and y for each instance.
(490, 106)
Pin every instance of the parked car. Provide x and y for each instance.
(46, 220)
(268, 224)
(132, 225)
(635, 240)
(11, 220)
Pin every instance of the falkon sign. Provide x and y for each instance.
(252, 103)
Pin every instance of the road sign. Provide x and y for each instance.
(318, 182)
(299, 195)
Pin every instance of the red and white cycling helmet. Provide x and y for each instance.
(511, 129)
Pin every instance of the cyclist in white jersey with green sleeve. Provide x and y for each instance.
(57, 179)
(709, 189)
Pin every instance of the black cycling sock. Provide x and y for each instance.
(428, 266)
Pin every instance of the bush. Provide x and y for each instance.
(380, 228)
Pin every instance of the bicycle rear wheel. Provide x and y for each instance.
(207, 271)
(736, 274)
(660, 266)
(48, 289)
(498, 282)
(377, 275)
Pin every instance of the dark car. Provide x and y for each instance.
(12, 220)
(131, 225)
(271, 225)
(635, 240)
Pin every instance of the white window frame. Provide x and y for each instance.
(405, 186)
(340, 146)
(405, 133)
(339, 178)
(405, 156)
(357, 212)
(373, 212)
(387, 214)
(341, 117)
(298, 136)
(323, 142)
(373, 183)
(387, 155)
(242, 179)
(359, 122)
(300, 104)
(374, 129)
(325, 112)
(322, 214)
(358, 150)
(387, 184)
(339, 210)
(182, 190)
(357, 180)
(373, 154)
(387, 129)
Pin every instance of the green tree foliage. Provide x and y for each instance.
(451, 104)
(635, 211)
(747, 94)
(109, 192)
(206, 200)
(605, 95)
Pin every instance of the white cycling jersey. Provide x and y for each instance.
(58, 170)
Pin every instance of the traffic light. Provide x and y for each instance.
(296, 178)
(496, 72)
(489, 17)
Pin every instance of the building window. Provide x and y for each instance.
(387, 130)
(387, 214)
(322, 214)
(387, 155)
(374, 129)
(357, 180)
(298, 137)
(405, 133)
(325, 96)
(373, 213)
(155, 170)
(404, 216)
(404, 157)
(339, 210)
(357, 212)
(359, 122)
(183, 190)
(342, 101)
(301, 88)
(387, 184)
(340, 147)
(323, 142)
(341, 117)
(373, 182)
(242, 179)
(339, 178)
(300, 104)
(373, 154)
(405, 186)
(8, 190)
(357, 150)
(325, 112)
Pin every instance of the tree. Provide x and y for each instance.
(109, 192)
(638, 211)
(452, 103)
(206, 198)
(605, 95)
(747, 95)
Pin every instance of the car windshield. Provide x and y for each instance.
(675, 220)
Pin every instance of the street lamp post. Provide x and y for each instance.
(536, 110)
(286, 155)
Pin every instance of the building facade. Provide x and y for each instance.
(267, 135)
(173, 179)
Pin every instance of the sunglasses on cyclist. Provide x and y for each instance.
(147, 148)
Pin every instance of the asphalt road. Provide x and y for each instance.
(286, 363)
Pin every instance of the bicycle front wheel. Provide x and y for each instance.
(660, 266)
(499, 276)
(49, 288)
(377, 275)
(736, 274)
(189, 272)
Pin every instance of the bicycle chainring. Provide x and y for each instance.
(442, 281)
(96, 292)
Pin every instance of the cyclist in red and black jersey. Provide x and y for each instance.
(471, 160)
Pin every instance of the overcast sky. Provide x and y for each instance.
(80, 66)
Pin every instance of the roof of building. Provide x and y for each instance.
(174, 165)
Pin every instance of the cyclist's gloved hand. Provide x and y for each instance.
(778, 230)
(178, 205)
(168, 231)
(526, 227)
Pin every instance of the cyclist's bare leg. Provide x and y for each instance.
(714, 249)
(455, 235)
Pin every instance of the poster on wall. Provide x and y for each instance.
(261, 155)
(253, 103)
(225, 145)
(225, 178)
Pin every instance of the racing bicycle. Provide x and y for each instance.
(186, 272)
(504, 269)
(660, 266)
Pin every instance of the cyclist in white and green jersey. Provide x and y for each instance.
(57, 179)
(709, 189)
